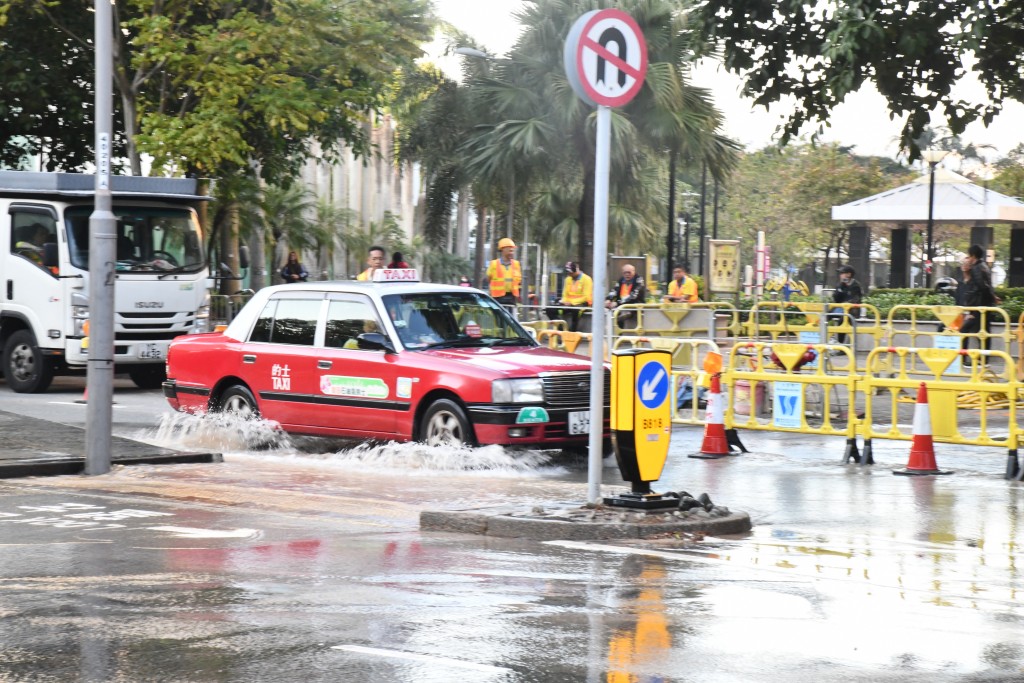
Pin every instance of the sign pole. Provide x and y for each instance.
(595, 463)
(102, 232)
(605, 59)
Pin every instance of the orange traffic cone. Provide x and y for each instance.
(85, 395)
(715, 442)
(922, 450)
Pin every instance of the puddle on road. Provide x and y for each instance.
(261, 440)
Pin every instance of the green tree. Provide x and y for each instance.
(915, 53)
(541, 135)
(45, 78)
(789, 194)
(215, 85)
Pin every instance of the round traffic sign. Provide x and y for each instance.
(652, 385)
(606, 57)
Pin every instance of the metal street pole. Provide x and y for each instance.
(930, 247)
(670, 260)
(595, 464)
(102, 235)
(703, 202)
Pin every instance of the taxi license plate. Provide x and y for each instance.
(579, 422)
(153, 351)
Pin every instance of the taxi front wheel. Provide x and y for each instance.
(445, 424)
(237, 400)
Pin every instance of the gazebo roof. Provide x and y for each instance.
(957, 200)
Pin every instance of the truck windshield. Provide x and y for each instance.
(148, 239)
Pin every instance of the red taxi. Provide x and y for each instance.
(390, 360)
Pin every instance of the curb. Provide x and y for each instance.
(48, 467)
(503, 523)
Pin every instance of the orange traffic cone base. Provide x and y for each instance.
(715, 444)
(922, 449)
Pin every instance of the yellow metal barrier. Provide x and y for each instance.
(539, 325)
(1020, 348)
(939, 327)
(886, 395)
(802, 385)
(781, 313)
(667, 320)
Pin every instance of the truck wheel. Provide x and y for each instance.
(147, 376)
(445, 424)
(237, 400)
(26, 369)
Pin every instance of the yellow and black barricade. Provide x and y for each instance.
(641, 424)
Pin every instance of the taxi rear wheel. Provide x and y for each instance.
(445, 424)
(239, 401)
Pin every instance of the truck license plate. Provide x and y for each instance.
(153, 351)
(579, 422)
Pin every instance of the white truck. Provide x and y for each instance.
(161, 270)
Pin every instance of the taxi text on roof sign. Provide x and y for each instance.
(396, 275)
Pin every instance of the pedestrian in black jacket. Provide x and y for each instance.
(294, 271)
(977, 291)
(848, 291)
(630, 289)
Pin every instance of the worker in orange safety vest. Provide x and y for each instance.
(504, 274)
(683, 288)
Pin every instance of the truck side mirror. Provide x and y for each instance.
(50, 255)
(243, 256)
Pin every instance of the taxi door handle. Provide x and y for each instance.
(323, 365)
(249, 358)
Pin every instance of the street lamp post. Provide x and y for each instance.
(932, 157)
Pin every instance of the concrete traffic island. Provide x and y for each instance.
(585, 523)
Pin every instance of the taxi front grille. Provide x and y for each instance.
(572, 388)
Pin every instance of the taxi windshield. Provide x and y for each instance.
(434, 320)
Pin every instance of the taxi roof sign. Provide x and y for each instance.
(396, 275)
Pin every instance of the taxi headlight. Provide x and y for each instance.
(529, 390)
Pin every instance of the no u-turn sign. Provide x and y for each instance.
(605, 58)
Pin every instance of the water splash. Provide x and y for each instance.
(218, 432)
(420, 458)
(262, 440)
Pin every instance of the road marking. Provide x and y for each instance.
(399, 654)
(192, 532)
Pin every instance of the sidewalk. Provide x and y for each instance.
(33, 447)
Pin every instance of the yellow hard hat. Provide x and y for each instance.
(506, 242)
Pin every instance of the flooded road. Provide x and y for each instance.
(304, 561)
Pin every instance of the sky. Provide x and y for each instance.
(862, 121)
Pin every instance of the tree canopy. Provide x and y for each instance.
(207, 85)
(789, 194)
(527, 142)
(915, 53)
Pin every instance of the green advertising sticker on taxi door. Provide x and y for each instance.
(361, 387)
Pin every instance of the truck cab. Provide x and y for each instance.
(161, 274)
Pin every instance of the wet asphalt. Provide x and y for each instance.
(306, 562)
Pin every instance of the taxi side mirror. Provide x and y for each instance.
(375, 341)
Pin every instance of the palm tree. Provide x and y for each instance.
(543, 134)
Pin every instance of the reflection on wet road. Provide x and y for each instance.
(287, 564)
